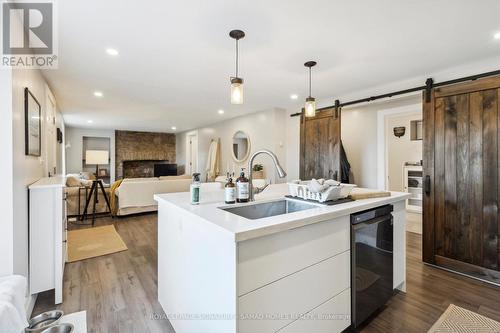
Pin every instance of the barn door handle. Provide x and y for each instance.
(427, 184)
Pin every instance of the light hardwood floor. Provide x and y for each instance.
(119, 290)
(414, 222)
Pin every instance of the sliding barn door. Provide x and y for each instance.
(320, 145)
(461, 178)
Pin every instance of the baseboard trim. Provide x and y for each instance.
(30, 304)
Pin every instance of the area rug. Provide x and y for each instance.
(457, 320)
(93, 242)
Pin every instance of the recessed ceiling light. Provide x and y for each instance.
(112, 52)
(90, 121)
(98, 93)
(173, 128)
(221, 111)
(294, 96)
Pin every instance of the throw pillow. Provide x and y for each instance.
(72, 181)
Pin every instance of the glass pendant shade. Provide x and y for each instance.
(236, 91)
(310, 107)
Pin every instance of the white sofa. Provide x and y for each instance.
(136, 195)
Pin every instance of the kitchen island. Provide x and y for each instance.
(228, 271)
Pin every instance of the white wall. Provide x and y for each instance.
(266, 129)
(74, 150)
(6, 169)
(400, 150)
(292, 147)
(359, 137)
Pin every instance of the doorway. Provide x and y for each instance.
(400, 158)
(191, 153)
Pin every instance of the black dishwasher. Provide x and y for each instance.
(371, 262)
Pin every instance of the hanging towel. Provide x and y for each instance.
(12, 297)
(213, 160)
(345, 166)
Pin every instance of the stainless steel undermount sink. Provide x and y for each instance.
(267, 209)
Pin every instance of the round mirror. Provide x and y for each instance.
(241, 146)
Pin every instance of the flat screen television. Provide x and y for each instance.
(165, 169)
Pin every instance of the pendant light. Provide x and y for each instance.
(236, 82)
(310, 105)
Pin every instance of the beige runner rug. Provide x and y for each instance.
(457, 320)
(93, 242)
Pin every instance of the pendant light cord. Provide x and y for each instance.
(309, 81)
(237, 57)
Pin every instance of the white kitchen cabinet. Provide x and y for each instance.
(278, 304)
(290, 273)
(331, 316)
(47, 236)
(413, 184)
(267, 259)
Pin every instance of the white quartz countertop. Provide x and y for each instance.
(244, 229)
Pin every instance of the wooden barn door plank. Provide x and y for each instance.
(439, 176)
(462, 233)
(450, 175)
(476, 177)
(490, 179)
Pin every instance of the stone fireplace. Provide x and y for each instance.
(138, 152)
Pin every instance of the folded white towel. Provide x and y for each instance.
(331, 182)
(321, 185)
(12, 298)
(316, 185)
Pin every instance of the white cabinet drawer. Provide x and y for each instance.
(293, 295)
(332, 316)
(266, 259)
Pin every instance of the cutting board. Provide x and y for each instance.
(366, 193)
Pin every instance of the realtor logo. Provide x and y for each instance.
(28, 36)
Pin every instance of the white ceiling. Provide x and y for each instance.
(176, 56)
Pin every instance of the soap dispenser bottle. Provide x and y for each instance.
(242, 187)
(195, 189)
(229, 191)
